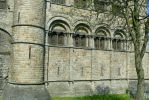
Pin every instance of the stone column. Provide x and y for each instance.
(87, 42)
(91, 42)
(26, 76)
(109, 44)
(70, 37)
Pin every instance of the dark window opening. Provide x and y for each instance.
(119, 71)
(101, 5)
(102, 71)
(80, 4)
(30, 48)
(56, 38)
(58, 2)
(100, 43)
(53, 39)
(80, 41)
(117, 10)
(119, 41)
(117, 44)
(96, 43)
(2, 4)
(83, 41)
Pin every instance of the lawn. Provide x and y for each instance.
(104, 97)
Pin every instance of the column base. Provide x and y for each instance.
(25, 92)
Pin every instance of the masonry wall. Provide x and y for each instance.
(5, 58)
(74, 71)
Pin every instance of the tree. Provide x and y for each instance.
(134, 16)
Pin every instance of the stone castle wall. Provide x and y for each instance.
(73, 71)
(69, 70)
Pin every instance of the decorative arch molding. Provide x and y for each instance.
(121, 33)
(6, 28)
(60, 25)
(60, 18)
(7, 34)
(4, 31)
(82, 28)
(103, 29)
(84, 25)
(122, 30)
(5, 42)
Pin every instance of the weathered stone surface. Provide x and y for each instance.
(25, 92)
(66, 69)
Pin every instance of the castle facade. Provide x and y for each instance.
(80, 53)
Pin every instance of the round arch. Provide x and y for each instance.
(62, 19)
(6, 33)
(59, 25)
(84, 25)
(120, 33)
(104, 30)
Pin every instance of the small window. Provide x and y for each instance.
(80, 4)
(2, 4)
(58, 1)
(101, 5)
(117, 10)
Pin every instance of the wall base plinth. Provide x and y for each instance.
(25, 92)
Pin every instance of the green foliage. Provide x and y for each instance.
(80, 4)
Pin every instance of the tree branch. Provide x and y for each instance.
(143, 49)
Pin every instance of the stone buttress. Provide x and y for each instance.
(26, 76)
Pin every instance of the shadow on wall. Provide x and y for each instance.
(102, 90)
(133, 89)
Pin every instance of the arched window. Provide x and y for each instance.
(100, 39)
(118, 41)
(100, 42)
(58, 33)
(56, 38)
(58, 1)
(2, 4)
(80, 36)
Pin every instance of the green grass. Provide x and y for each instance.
(103, 97)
